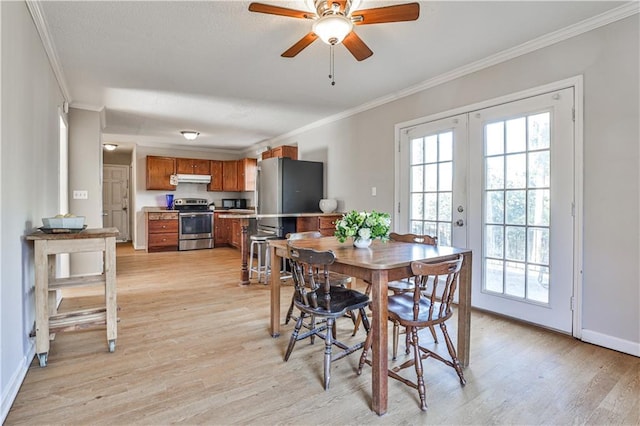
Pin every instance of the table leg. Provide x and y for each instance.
(244, 249)
(42, 301)
(110, 291)
(464, 310)
(274, 327)
(379, 289)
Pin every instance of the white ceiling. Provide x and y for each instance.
(161, 67)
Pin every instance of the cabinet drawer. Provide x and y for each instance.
(162, 240)
(327, 222)
(163, 226)
(165, 216)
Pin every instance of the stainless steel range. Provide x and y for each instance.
(195, 223)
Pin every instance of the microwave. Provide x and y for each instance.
(234, 203)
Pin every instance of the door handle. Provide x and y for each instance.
(459, 222)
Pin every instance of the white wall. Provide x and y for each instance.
(359, 153)
(30, 99)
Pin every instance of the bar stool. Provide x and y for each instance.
(259, 244)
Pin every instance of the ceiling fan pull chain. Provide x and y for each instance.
(332, 66)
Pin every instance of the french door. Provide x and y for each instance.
(500, 180)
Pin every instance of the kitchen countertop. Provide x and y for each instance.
(232, 215)
(158, 210)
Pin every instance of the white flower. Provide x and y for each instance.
(364, 233)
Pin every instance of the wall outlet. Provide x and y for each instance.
(80, 195)
(374, 191)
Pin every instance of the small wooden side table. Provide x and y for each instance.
(47, 319)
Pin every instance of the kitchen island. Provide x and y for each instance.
(322, 222)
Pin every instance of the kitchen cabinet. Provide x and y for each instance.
(190, 166)
(159, 171)
(215, 167)
(162, 231)
(235, 237)
(283, 151)
(230, 175)
(239, 175)
(221, 230)
(324, 224)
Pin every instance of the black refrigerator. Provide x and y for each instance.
(287, 186)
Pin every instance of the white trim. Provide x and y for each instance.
(88, 107)
(611, 342)
(613, 15)
(47, 42)
(13, 385)
(578, 191)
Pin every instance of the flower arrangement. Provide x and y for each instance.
(363, 225)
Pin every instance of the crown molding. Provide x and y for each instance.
(613, 15)
(43, 30)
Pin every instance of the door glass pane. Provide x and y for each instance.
(494, 172)
(539, 131)
(444, 206)
(538, 207)
(417, 206)
(494, 241)
(514, 279)
(494, 143)
(516, 174)
(417, 151)
(495, 207)
(517, 135)
(444, 234)
(538, 279)
(515, 207)
(431, 206)
(493, 278)
(431, 149)
(417, 178)
(515, 243)
(446, 147)
(539, 169)
(431, 177)
(445, 176)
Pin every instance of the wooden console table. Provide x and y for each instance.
(47, 319)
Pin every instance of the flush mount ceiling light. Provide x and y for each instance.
(190, 134)
(110, 146)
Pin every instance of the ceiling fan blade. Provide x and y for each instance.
(356, 46)
(300, 45)
(282, 11)
(380, 15)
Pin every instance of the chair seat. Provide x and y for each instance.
(342, 300)
(400, 308)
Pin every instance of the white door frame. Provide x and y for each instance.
(577, 83)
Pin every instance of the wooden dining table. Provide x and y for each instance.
(380, 263)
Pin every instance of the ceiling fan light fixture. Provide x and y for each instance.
(110, 146)
(190, 135)
(332, 29)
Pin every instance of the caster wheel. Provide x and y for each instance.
(43, 359)
(112, 345)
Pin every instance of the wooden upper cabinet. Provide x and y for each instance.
(159, 171)
(247, 169)
(230, 175)
(192, 166)
(215, 167)
(283, 151)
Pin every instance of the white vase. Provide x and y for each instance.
(328, 205)
(362, 243)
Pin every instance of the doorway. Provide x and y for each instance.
(115, 199)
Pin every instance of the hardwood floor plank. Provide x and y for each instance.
(193, 347)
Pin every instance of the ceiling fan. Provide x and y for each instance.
(333, 22)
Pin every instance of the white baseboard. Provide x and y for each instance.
(615, 343)
(9, 394)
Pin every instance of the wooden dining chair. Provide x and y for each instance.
(403, 286)
(317, 299)
(334, 278)
(415, 310)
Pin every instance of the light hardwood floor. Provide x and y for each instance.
(193, 347)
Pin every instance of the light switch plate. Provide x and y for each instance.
(374, 191)
(80, 195)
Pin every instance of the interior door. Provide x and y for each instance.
(115, 199)
(521, 190)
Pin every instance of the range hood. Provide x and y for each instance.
(182, 178)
